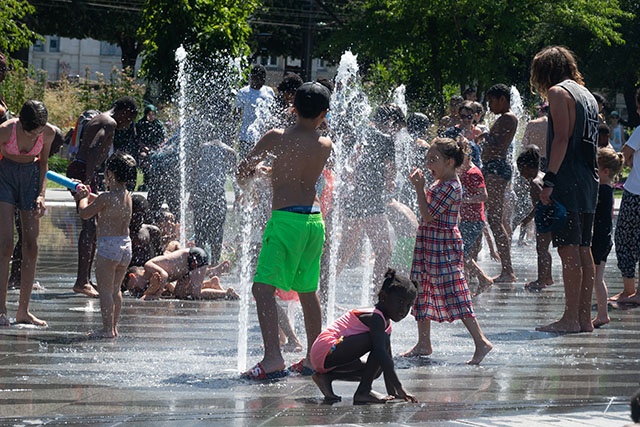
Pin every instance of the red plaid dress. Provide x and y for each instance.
(438, 259)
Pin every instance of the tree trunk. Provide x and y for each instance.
(130, 50)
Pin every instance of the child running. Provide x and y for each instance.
(294, 236)
(113, 252)
(609, 165)
(529, 166)
(472, 216)
(336, 353)
(438, 260)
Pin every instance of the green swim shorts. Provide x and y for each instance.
(291, 250)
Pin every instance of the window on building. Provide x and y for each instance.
(38, 46)
(108, 49)
(54, 44)
(268, 61)
(321, 64)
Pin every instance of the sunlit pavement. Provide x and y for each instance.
(175, 362)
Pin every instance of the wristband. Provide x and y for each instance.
(549, 180)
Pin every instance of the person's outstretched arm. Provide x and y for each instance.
(247, 167)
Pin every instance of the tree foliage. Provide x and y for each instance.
(15, 34)
(430, 44)
(204, 27)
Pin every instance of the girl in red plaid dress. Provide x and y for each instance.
(438, 264)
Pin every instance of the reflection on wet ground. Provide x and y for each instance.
(174, 363)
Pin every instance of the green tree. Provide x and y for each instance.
(429, 45)
(15, 34)
(204, 27)
(106, 21)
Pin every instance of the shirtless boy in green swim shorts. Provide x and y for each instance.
(293, 237)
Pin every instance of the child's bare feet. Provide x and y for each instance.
(155, 287)
(537, 285)
(505, 278)
(232, 294)
(598, 322)
(29, 319)
(292, 347)
(370, 397)
(483, 285)
(4, 320)
(631, 299)
(86, 289)
(324, 384)
(621, 295)
(418, 351)
(480, 353)
(99, 335)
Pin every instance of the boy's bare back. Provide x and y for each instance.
(299, 157)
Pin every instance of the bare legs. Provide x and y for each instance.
(30, 231)
(483, 346)
(578, 274)
(495, 189)
(601, 297)
(268, 319)
(348, 367)
(543, 240)
(86, 251)
(109, 275)
(423, 347)
(6, 249)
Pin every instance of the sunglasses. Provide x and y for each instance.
(466, 116)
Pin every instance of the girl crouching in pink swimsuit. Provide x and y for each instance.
(336, 353)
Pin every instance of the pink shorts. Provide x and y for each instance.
(321, 348)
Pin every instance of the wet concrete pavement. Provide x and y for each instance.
(175, 361)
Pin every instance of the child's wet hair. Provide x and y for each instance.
(417, 124)
(529, 158)
(603, 129)
(290, 83)
(131, 272)
(395, 283)
(123, 167)
(449, 149)
(498, 90)
(609, 159)
(389, 113)
(467, 105)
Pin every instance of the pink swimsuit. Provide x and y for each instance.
(11, 146)
(346, 326)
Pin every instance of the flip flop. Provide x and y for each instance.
(299, 368)
(257, 373)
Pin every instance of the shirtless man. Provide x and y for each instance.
(293, 238)
(497, 171)
(95, 142)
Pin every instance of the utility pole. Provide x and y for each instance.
(307, 42)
